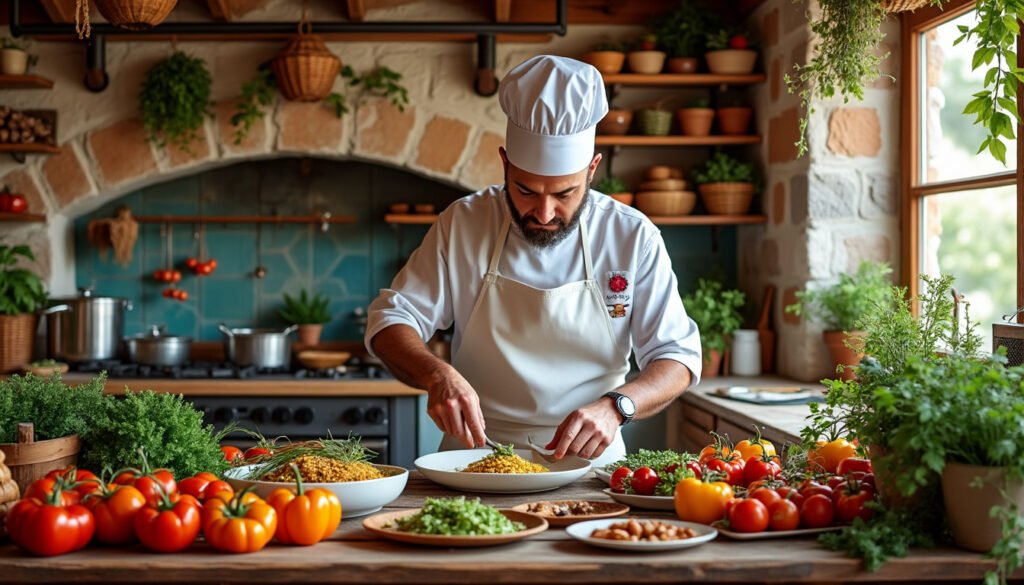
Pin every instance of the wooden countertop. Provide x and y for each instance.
(353, 555)
(254, 387)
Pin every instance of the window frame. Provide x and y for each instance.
(913, 190)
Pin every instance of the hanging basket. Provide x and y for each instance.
(902, 5)
(135, 14)
(305, 70)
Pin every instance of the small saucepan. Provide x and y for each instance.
(155, 348)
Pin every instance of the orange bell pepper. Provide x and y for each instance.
(827, 455)
(698, 501)
(245, 523)
(305, 517)
(755, 446)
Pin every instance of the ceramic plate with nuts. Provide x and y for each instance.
(566, 512)
(641, 534)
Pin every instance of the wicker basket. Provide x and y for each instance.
(902, 5)
(135, 14)
(654, 122)
(305, 70)
(16, 337)
(666, 202)
(727, 198)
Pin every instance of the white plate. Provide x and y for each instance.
(648, 502)
(768, 534)
(602, 474)
(443, 468)
(358, 498)
(581, 531)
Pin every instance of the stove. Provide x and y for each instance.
(354, 370)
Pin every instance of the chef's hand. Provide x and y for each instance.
(586, 432)
(455, 409)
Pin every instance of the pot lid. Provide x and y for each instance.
(85, 293)
(156, 333)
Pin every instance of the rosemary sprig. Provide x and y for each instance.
(348, 450)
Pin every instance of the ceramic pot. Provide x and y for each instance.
(734, 121)
(695, 121)
(712, 366)
(646, 62)
(968, 506)
(841, 354)
(309, 334)
(731, 61)
(607, 62)
(682, 65)
(13, 62)
(615, 123)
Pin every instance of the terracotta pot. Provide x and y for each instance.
(17, 333)
(646, 62)
(607, 62)
(13, 62)
(836, 342)
(712, 366)
(695, 121)
(734, 121)
(623, 198)
(682, 65)
(30, 460)
(309, 335)
(615, 123)
(967, 506)
(727, 198)
(731, 61)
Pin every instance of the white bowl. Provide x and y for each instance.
(443, 468)
(581, 531)
(358, 498)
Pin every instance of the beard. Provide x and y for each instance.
(545, 238)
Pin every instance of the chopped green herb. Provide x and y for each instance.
(457, 516)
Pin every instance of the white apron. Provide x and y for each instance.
(534, 355)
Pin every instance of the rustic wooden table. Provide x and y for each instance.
(355, 556)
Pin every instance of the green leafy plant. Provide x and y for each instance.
(15, 44)
(21, 290)
(175, 100)
(611, 184)
(610, 46)
(700, 102)
(305, 310)
(54, 409)
(841, 306)
(717, 312)
(722, 168)
(258, 93)
(717, 40)
(683, 31)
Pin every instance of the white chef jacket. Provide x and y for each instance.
(439, 284)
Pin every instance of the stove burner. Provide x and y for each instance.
(214, 370)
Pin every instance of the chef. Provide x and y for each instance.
(550, 287)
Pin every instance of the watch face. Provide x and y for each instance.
(626, 406)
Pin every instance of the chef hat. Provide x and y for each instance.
(553, 105)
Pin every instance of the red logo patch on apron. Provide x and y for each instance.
(618, 292)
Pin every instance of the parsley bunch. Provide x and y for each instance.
(47, 403)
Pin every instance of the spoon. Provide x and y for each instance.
(546, 454)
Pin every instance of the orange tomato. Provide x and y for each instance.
(696, 501)
(827, 455)
(305, 517)
(114, 509)
(755, 446)
(239, 525)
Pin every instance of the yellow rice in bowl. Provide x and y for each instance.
(318, 469)
(495, 463)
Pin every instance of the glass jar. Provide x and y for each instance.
(746, 353)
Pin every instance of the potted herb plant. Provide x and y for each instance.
(608, 58)
(21, 296)
(175, 100)
(696, 118)
(14, 57)
(615, 188)
(730, 53)
(718, 313)
(309, 313)
(841, 306)
(646, 58)
(726, 185)
(682, 33)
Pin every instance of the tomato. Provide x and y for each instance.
(792, 494)
(810, 488)
(169, 524)
(175, 275)
(151, 483)
(697, 501)
(869, 479)
(5, 202)
(203, 486)
(212, 263)
(755, 447)
(644, 481)
(648, 43)
(849, 502)
(204, 269)
(75, 485)
(182, 295)
(852, 464)
(765, 495)
(48, 527)
(738, 42)
(239, 525)
(18, 203)
(749, 516)
(760, 468)
(835, 480)
(783, 515)
(618, 477)
(168, 293)
(254, 452)
(817, 511)
(231, 453)
(828, 455)
(191, 263)
(114, 508)
(305, 517)
(717, 449)
(731, 466)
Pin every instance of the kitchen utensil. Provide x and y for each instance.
(86, 327)
(545, 454)
(323, 360)
(155, 348)
(765, 334)
(443, 468)
(263, 348)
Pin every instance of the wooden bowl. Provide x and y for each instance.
(398, 208)
(323, 360)
(46, 371)
(661, 203)
(663, 185)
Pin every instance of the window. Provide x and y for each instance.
(960, 208)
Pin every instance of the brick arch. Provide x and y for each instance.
(104, 163)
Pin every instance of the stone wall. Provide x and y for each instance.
(831, 208)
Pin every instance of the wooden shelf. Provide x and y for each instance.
(332, 219)
(25, 82)
(659, 220)
(29, 148)
(684, 79)
(23, 217)
(676, 140)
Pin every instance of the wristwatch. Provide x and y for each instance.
(624, 404)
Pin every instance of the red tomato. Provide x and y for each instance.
(783, 515)
(49, 528)
(253, 452)
(694, 466)
(212, 263)
(152, 484)
(231, 453)
(758, 468)
(749, 516)
(817, 511)
(204, 269)
(765, 496)
(114, 510)
(203, 486)
(869, 479)
(849, 501)
(182, 295)
(810, 488)
(75, 484)
(18, 203)
(851, 464)
(738, 42)
(648, 43)
(168, 293)
(191, 263)
(644, 481)
(731, 466)
(792, 494)
(5, 202)
(835, 480)
(620, 474)
(169, 526)
(175, 275)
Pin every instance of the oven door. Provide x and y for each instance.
(378, 445)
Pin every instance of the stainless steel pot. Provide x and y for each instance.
(154, 348)
(86, 327)
(263, 348)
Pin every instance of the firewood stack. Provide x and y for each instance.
(9, 492)
(23, 128)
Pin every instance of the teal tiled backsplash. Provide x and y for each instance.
(349, 263)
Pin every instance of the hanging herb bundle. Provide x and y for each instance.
(175, 100)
